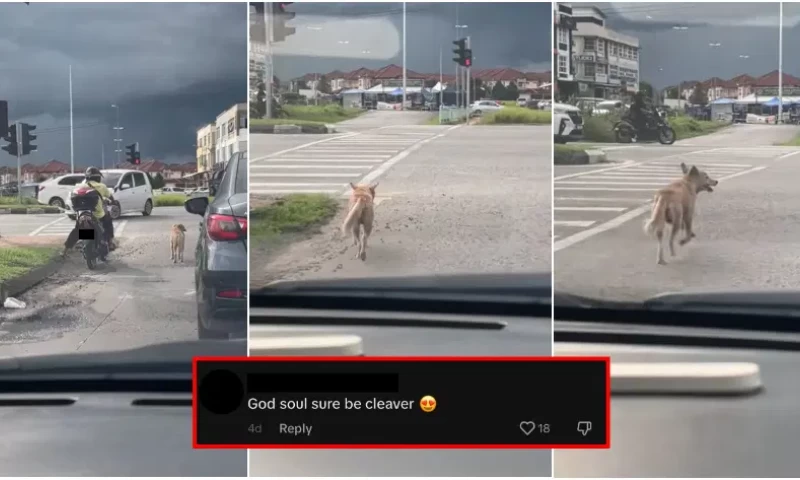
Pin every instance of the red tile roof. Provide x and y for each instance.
(771, 80)
(393, 71)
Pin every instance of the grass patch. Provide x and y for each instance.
(173, 200)
(599, 128)
(292, 214)
(17, 261)
(795, 142)
(311, 115)
(514, 115)
(14, 202)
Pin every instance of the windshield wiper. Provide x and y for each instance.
(488, 294)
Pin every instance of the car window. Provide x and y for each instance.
(139, 179)
(241, 176)
(128, 178)
(70, 180)
(111, 179)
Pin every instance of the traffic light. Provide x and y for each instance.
(467, 58)
(11, 138)
(460, 51)
(279, 18)
(28, 138)
(132, 154)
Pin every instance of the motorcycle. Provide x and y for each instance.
(625, 131)
(93, 245)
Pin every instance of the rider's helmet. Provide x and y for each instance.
(93, 174)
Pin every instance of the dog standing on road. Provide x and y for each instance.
(675, 205)
(361, 213)
(177, 239)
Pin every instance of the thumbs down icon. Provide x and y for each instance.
(584, 427)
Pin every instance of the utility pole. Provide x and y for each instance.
(441, 87)
(403, 105)
(780, 64)
(458, 97)
(268, 75)
(468, 72)
(18, 126)
(118, 131)
(71, 137)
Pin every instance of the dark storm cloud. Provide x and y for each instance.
(503, 35)
(170, 68)
(747, 32)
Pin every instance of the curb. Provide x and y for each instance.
(290, 129)
(29, 211)
(19, 285)
(586, 157)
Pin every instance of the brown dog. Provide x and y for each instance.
(674, 205)
(177, 239)
(361, 213)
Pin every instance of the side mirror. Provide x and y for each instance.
(124, 186)
(197, 205)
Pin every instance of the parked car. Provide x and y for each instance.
(568, 123)
(478, 108)
(56, 191)
(132, 192)
(221, 253)
(169, 191)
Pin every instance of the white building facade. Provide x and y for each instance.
(231, 132)
(606, 62)
(563, 26)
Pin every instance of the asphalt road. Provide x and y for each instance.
(138, 298)
(450, 200)
(746, 228)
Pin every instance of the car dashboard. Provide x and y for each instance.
(700, 434)
(383, 334)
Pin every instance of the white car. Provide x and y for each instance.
(56, 191)
(131, 189)
(477, 108)
(567, 123)
(610, 106)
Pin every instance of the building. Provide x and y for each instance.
(740, 87)
(606, 62)
(563, 27)
(231, 133)
(206, 147)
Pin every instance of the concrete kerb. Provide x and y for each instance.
(581, 157)
(290, 129)
(15, 287)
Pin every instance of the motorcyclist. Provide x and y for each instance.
(93, 178)
(640, 112)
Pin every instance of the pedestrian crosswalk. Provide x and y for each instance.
(62, 226)
(588, 199)
(328, 166)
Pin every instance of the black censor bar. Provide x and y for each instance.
(401, 402)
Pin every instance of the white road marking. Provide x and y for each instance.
(36, 232)
(787, 155)
(190, 292)
(257, 159)
(655, 184)
(300, 175)
(594, 189)
(121, 228)
(591, 209)
(314, 160)
(601, 199)
(702, 165)
(260, 184)
(328, 156)
(309, 167)
(576, 223)
(270, 191)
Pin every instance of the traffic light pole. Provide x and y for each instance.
(469, 71)
(18, 126)
(268, 57)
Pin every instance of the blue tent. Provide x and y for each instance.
(775, 102)
(397, 91)
(723, 101)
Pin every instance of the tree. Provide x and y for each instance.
(323, 86)
(157, 181)
(498, 91)
(699, 95)
(672, 92)
(646, 89)
(512, 92)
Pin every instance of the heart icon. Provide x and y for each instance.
(527, 427)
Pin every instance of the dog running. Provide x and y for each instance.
(177, 239)
(360, 217)
(675, 205)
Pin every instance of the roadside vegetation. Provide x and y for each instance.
(11, 202)
(16, 261)
(516, 115)
(599, 128)
(290, 215)
(310, 115)
(794, 142)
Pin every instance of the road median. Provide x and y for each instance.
(574, 155)
(600, 128)
(278, 221)
(25, 261)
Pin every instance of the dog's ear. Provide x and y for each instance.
(684, 168)
(352, 185)
(183, 229)
(694, 171)
(372, 188)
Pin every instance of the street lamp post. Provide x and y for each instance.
(118, 135)
(780, 63)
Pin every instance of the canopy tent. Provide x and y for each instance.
(723, 101)
(774, 102)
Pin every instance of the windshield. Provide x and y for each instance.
(393, 175)
(135, 95)
(711, 211)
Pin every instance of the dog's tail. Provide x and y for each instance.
(658, 217)
(353, 216)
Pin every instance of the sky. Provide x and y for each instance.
(670, 56)
(346, 36)
(170, 67)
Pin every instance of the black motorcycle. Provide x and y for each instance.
(658, 129)
(93, 244)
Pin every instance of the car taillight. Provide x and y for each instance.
(223, 227)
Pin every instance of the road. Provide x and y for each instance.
(460, 199)
(139, 298)
(746, 228)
